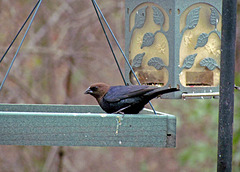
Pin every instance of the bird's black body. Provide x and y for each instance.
(125, 99)
(133, 98)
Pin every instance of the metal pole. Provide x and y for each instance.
(226, 103)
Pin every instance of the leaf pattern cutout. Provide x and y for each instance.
(210, 63)
(140, 18)
(189, 61)
(214, 18)
(192, 18)
(148, 39)
(202, 40)
(158, 16)
(137, 61)
(157, 63)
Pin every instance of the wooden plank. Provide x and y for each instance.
(51, 108)
(34, 125)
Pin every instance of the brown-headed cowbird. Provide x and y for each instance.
(124, 99)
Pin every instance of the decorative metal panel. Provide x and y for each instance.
(174, 43)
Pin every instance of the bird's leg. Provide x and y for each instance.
(120, 110)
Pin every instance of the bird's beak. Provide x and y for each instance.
(88, 91)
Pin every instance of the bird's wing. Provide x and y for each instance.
(117, 93)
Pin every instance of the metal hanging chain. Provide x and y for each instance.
(97, 9)
(109, 43)
(36, 7)
(19, 31)
(115, 39)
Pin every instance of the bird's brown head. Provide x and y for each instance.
(97, 90)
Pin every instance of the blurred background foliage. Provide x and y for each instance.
(64, 52)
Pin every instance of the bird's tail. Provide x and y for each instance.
(159, 91)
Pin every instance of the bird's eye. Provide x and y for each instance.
(94, 88)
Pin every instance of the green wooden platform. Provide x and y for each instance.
(74, 125)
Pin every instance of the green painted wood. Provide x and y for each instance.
(70, 125)
(51, 108)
